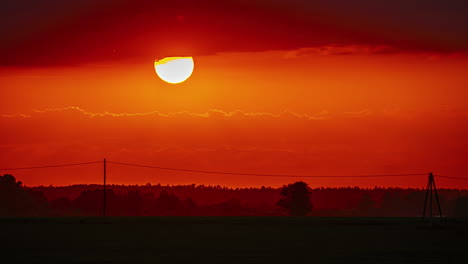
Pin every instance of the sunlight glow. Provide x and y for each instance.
(174, 69)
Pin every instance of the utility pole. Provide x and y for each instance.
(431, 188)
(104, 191)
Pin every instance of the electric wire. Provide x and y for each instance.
(228, 172)
(51, 166)
(265, 175)
(449, 177)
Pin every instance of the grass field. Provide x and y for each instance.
(232, 240)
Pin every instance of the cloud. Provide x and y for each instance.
(61, 35)
(364, 112)
(75, 112)
(211, 113)
(15, 115)
(78, 110)
(340, 49)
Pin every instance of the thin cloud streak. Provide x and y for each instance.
(207, 114)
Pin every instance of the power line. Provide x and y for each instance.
(230, 173)
(51, 166)
(458, 178)
(265, 175)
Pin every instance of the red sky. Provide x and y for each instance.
(309, 89)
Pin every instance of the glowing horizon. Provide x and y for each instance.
(281, 87)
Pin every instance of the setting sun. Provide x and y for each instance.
(174, 69)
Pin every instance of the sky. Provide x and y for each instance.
(279, 87)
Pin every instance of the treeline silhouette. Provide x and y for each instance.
(201, 200)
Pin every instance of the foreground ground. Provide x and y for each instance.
(231, 240)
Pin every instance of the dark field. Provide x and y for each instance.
(232, 240)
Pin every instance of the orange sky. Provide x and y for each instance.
(298, 87)
(326, 110)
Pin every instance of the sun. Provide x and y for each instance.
(174, 69)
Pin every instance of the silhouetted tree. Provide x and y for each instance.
(413, 202)
(167, 204)
(62, 206)
(16, 201)
(190, 207)
(230, 207)
(12, 196)
(366, 204)
(392, 204)
(212, 200)
(296, 198)
(134, 202)
(39, 204)
(90, 202)
(461, 207)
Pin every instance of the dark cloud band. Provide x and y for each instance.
(75, 32)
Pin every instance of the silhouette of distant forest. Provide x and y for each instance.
(200, 200)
